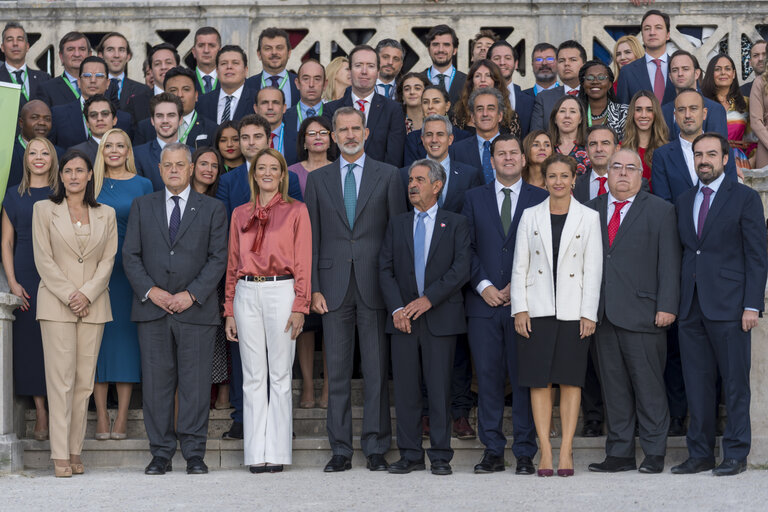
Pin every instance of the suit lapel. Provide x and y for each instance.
(407, 226)
(688, 228)
(679, 163)
(98, 225)
(190, 212)
(602, 210)
(158, 207)
(635, 210)
(493, 207)
(544, 228)
(722, 196)
(377, 105)
(437, 233)
(367, 185)
(522, 204)
(454, 182)
(63, 225)
(332, 183)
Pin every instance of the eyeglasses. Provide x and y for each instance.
(93, 75)
(621, 167)
(102, 113)
(598, 78)
(539, 60)
(322, 133)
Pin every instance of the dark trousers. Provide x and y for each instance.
(493, 345)
(434, 370)
(591, 393)
(707, 346)
(461, 382)
(176, 355)
(632, 372)
(673, 376)
(236, 381)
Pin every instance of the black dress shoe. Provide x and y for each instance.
(730, 467)
(652, 464)
(592, 428)
(614, 465)
(196, 466)
(275, 468)
(524, 466)
(404, 466)
(490, 463)
(693, 465)
(338, 463)
(234, 432)
(676, 427)
(440, 467)
(158, 466)
(257, 469)
(376, 462)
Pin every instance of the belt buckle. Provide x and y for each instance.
(260, 279)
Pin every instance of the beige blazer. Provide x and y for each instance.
(579, 264)
(64, 269)
(758, 120)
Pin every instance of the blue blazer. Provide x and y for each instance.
(634, 77)
(492, 252)
(727, 266)
(208, 104)
(290, 135)
(669, 173)
(254, 83)
(36, 79)
(386, 123)
(524, 109)
(414, 149)
(714, 122)
(234, 189)
(462, 178)
(68, 128)
(201, 135)
(467, 151)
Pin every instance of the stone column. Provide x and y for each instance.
(11, 452)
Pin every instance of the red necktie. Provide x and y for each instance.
(658, 81)
(615, 222)
(272, 140)
(361, 105)
(573, 92)
(602, 190)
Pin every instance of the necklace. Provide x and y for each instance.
(75, 218)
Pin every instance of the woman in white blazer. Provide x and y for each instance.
(555, 291)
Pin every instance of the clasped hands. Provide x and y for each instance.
(170, 303)
(495, 297)
(78, 303)
(402, 317)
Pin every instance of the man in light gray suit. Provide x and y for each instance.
(350, 203)
(638, 302)
(174, 254)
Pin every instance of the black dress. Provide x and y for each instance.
(554, 353)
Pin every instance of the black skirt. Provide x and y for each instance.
(553, 354)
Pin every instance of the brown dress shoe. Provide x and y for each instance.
(463, 430)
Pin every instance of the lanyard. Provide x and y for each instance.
(319, 112)
(202, 84)
(450, 79)
(280, 136)
(21, 141)
(280, 86)
(23, 82)
(184, 135)
(71, 87)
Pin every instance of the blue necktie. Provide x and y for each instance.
(227, 114)
(487, 167)
(175, 222)
(311, 112)
(350, 194)
(387, 89)
(208, 83)
(419, 259)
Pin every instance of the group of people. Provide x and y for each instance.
(589, 233)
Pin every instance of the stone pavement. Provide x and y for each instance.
(309, 489)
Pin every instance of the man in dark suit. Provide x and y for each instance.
(162, 58)
(115, 49)
(34, 121)
(274, 50)
(174, 269)
(757, 61)
(544, 67)
(270, 104)
(391, 54)
(310, 83)
(504, 55)
(73, 48)
(650, 72)
(443, 44)
(485, 107)
(571, 55)
(423, 264)
(384, 118)
(233, 99)
(638, 302)
(491, 328)
(100, 117)
(350, 202)
(206, 46)
(722, 229)
(15, 46)
(166, 110)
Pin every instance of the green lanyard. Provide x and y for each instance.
(23, 87)
(71, 87)
(202, 84)
(184, 135)
(21, 141)
(301, 117)
(280, 86)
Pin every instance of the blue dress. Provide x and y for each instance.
(119, 356)
(28, 363)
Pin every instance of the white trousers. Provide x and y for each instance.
(261, 312)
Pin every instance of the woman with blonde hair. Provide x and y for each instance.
(338, 79)
(645, 130)
(626, 50)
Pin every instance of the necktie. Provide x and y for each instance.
(506, 210)
(272, 140)
(658, 81)
(175, 222)
(20, 79)
(114, 82)
(361, 105)
(703, 210)
(487, 167)
(441, 81)
(602, 190)
(573, 92)
(208, 87)
(350, 194)
(77, 87)
(615, 222)
(387, 89)
(227, 115)
(275, 81)
(311, 112)
(419, 253)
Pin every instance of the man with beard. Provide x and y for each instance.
(274, 50)
(570, 57)
(504, 55)
(543, 65)
(391, 56)
(443, 44)
(757, 61)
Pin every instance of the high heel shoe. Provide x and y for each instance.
(564, 472)
(77, 468)
(103, 436)
(545, 472)
(62, 471)
(40, 435)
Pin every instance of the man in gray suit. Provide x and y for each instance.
(350, 203)
(638, 302)
(174, 254)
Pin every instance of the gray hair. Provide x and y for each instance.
(14, 24)
(344, 111)
(485, 90)
(436, 171)
(389, 43)
(177, 146)
(438, 117)
(632, 152)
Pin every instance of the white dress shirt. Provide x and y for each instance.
(513, 197)
(381, 89)
(232, 106)
(369, 100)
(157, 90)
(688, 155)
(567, 88)
(23, 67)
(511, 89)
(594, 184)
(449, 73)
(357, 171)
(612, 207)
(169, 203)
(652, 68)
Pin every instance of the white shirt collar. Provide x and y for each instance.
(162, 144)
(446, 163)
(612, 199)
(715, 185)
(157, 90)
(70, 77)
(663, 58)
(188, 118)
(514, 188)
(235, 94)
(119, 77)
(11, 69)
(567, 88)
(360, 162)
(594, 176)
(97, 139)
(688, 146)
(433, 71)
(379, 81)
(368, 98)
(184, 194)
(431, 213)
(212, 74)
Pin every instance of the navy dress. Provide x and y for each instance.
(119, 355)
(28, 363)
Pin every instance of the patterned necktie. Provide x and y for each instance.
(208, 87)
(387, 90)
(419, 251)
(615, 222)
(175, 222)
(658, 81)
(441, 81)
(703, 210)
(275, 81)
(311, 112)
(350, 194)
(602, 190)
(506, 210)
(361, 105)
(487, 167)
(20, 79)
(227, 115)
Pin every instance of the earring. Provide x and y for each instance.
(573, 186)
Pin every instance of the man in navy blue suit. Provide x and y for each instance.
(504, 55)
(162, 58)
(443, 45)
(384, 118)
(15, 46)
(73, 48)
(34, 121)
(206, 46)
(234, 99)
(166, 112)
(115, 49)
(274, 50)
(270, 104)
(544, 68)
(310, 83)
(571, 56)
(100, 117)
(491, 327)
(485, 107)
(650, 72)
(722, 293)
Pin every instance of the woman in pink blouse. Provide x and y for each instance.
(267, 295)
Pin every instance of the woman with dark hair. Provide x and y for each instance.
(409, 89)
(537, 147)
(314, 148)
(41, 169)
(568, 131)
(208, 166)
(484, 73)
(74, 240)
(227, 141)
(596, 91)
(645, 131)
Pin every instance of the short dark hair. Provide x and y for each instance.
(390, 43)
(255, 120)
(656, 12)
(503, 138)
(555, 158)
(271, 33)
(206, 31)
(211, 191)
(163, 46)
(178, 71)
(93, 58)
(145, 66)
(608, 128)
(759, 41)
(502, 43)
(73, 36)
(361, 48)
(100, 46)
(683, 53)
(270, 88)
(301, 149)
(165, 97)
(96, 98)
(441, 30)
(540, 47)
(570, 43)
(60, 193)
(13, 24)
(310, 60)
(232, 48)
(725, 148)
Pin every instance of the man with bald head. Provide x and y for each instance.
(34, 121)
(638, 302)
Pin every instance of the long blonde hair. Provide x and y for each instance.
(99, 168)
(53, 172)
(282, 188)
(330, 74)
(634, 45)
(659, 130)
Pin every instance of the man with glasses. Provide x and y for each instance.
(100, 116)
(544, 67)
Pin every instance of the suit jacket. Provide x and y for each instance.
(446, 271)
(17, 162)
(524, 108)
(36, 79)
(579, 264)
(208, 104)
(669, 173)
(65, 269)
(195, 261)
(641, 270)
(137, 103)
(715, 121)
(462, 178)
(291, 135)
(581, 187)
(727, 266)
(467, 151)
(414, 148)
(386, 123)
(234, 190)
(202, 134)
(457, 86)
(68, 126)
(634, 77)
(746, 89)
(90, 147)
(492, 252)
(336, 246)
(542, 107)
(56, 92)
(254, 83)
(131, 88)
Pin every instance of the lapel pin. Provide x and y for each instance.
(192, 209)
(442, 224)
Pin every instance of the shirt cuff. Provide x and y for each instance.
(752, 309)
(146, 295)
(398, 309)
(483, 285)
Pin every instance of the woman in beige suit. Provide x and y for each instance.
(74, 240)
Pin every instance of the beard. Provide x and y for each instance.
(545, 75)
(351, 150)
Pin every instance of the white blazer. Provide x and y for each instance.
(579, 264)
